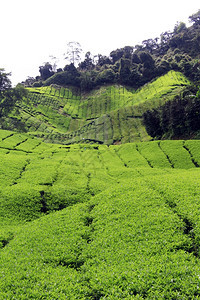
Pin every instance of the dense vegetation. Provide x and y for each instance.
(130, 66)
(98, 222)
(177, 118)
(109, 115)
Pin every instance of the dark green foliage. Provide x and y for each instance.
(163, 66)
(151, 45)
(116, 55)
(124, 71)
(179, 27)
(103, 60)
(70, 76)
(46, 71)
(9, 97)
(151, 120)
(148, 66)
(88, 80)
(180, 117)
(107, 76)
(5, 82)
(37, 84)
(87, 64)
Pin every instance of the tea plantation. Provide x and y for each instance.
(93, 221)
(110, 114)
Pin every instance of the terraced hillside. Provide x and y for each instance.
(99, 222)
(109, 115)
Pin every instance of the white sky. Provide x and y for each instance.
(31, 30)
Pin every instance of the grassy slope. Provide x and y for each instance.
(96, 222)
(109, 115)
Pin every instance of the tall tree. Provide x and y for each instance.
(73, 53)
(151, 44)
(8, 95)
(124, 71)
(103, 60)
(54, 62)
(46, 71)
(116, 55)
(87, 64)
(5, 82)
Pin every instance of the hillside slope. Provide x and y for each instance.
(97, 222)
(108, 115)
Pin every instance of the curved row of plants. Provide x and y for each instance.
(92, 221)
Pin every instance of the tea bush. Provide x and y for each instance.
(96, 222)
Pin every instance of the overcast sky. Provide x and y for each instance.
(32, 30)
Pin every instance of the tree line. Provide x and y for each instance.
(131, 66)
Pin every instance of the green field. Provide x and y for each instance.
(94, 221)
(107, 115)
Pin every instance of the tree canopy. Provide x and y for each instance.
(132, 66)
(5, 82)
(46, 71)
